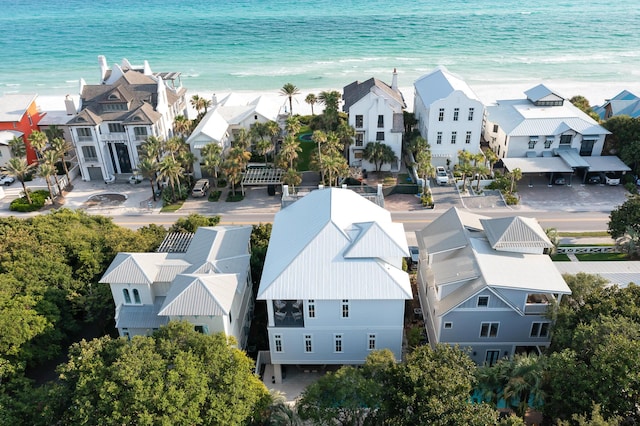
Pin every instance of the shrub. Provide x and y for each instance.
(37, 202)
(233, 198)
(222, 182)
(214, 195)
(631, 187)
(511, 199)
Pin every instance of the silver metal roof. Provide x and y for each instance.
(616, 273)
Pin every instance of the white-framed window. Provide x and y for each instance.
(202, 329)
(548, 141)
(359, 121)
(467, 138)
(345, 308)
(456, 114)
(116, 128)
(125, 333)
(380, 121)
(540, 329)
(439, 138)
(277, 342)
(311, 308)
(359, 139)
(136, 296)
(454, 135)
(89, 153)
(566, 139)
(84, 134)
(308, 343)
(448, 325)
(532, 142)
(489, 329)
(470, 117)
(127, 296)
(371, 341)
(140, 133)
(379, 136)
(337, 343)
(441, 114)
(495, 128)
(483, 301)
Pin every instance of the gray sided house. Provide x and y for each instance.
(206, 281)
(333, 281)
(486, 284)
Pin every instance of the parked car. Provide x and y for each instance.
(441, 176)
(593, 178)
(200, 188)
(415, 253)
(6, 180)
(610, 179)
(558, 179)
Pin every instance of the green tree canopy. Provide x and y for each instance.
(379, 153)
(624, 217)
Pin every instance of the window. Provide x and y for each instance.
(200, 329)
(125, 333)
(533, 140)
(114, 107)
(439, 138)
(467, 138)
(483, 301)
(540, 329)
(548, 141)
(308, 343)
(359, 139)
(371, 342)
(277, 342)
(89, 153)
(489, 329)
(456, 113)
(127, 296)
(136, 296)
(441, 114)
(379, 136)
(470, 117)
(359, 121)
(116, 128)
(337, 340)
(495, 128)
(30, 119)
(491, 357)
(454, 135)
(345, 308)
(84, 134)
(311, 309)
(380, 121)
(448, 325)
(140, 132)
(565, 140)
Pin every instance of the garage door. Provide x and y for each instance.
(95, 173)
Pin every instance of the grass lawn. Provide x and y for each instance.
(584, 234)
(172, 207)
(594, 257)
(304, 158)
(560, 258)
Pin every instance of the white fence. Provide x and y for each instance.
(589, 249)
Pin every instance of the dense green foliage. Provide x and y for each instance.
(193, 222)
(625, 218)
(175, 377)
(22, 204)
(49, 270)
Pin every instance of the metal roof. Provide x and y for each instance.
(14, 106)
(213, 128)
(175, 242)
(572, 158)
(439, 84)
(192, 295)
(306, 255)
(616, 273)
(606, 163)
(537, 165)
(515, 232)
(133, 268)
(7, 135)
(540, 92)
(141, 316)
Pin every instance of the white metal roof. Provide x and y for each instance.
(439, 84)
(192, 295)
(14, 106)
(537, 165)
(212, 126)
(133, 268)
(7, 135)
(615, 272)
(515, 232)
(141, 316)
(306, 255)
(606, 163)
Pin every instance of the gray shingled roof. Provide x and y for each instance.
(356, 91)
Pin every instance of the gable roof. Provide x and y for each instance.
(357, 90)
(514, 232)
(194, 294)
(541, 92)
(212, 126)
(319, 250)
(624, 103)
(14, 106)
(439, 84)
(133, 268)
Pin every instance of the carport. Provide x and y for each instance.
(537, 165)
(604, 164)
(261, 176)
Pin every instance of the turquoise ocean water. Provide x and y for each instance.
(46, 46)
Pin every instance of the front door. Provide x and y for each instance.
(124, 161)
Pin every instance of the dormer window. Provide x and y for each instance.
(114, 97)
(483, 301)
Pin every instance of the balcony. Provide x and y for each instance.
(535, 308)
(288, 313)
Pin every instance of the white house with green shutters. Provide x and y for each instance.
(486, 284)
(333, 281)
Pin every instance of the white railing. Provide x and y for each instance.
(589, 249)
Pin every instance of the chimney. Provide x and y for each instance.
(394, 81)
(285, 191)
(69, 105)
(103, 67)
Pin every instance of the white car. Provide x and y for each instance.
(441, 176)
(6, 180)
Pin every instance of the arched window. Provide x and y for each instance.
(127, 297)
(136, 295)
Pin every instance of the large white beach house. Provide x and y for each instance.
(203, 278)
(333, 281)
(130, 104)
(375, 112)
(450, 115)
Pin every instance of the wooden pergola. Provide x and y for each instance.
(261, 176)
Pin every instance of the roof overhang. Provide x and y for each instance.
(537, 165)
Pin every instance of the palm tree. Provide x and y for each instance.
(17, 146)
(346, 134)
(19, 169)
(38, 141)
(272, 130)
(60, 146)
(54, 132)
(289, 90)
(50, 157)
(331, 101)
(242, 139)
(516, 175)
(182, 126)
(186, 159)
(311, 99)
(211, 160)
(171, 170)
(196, 103)
(379, 153)
(525, 381)
(319, 137)
(234, 165)
(174, 146)
(152, 148)
(418, 144)
(264, 146)
(424, 167)
(292, 125)
(46, 170)
(290, 150)
(292, 178)
(491, 158)
(332, 166)
(148, 167)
